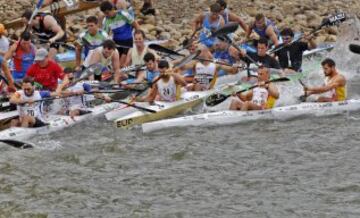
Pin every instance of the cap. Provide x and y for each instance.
(41, 54)
(2, 28)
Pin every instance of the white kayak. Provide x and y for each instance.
(55, 123)
(234, 117)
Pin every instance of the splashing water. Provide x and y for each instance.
(346, 61)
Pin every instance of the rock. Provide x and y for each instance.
(164, 36)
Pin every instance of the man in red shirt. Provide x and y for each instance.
(46, 72)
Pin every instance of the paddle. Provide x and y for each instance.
(303, 97)
(187, 42)
(217, 98)
(354, 48)
(333, 20)
(231, 42)
(162, 49)
(17, 144)
(63, 44)
(37, 8)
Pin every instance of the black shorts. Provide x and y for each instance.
(39, 123)
(126, 43)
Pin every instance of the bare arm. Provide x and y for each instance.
(136, 25)
(78, 50)
(52, 24)
(270, 32)
(8, 75)
(9, 54)
(340, 81)
(198, 22)
(273, 91)
(128, 58)
(116, 62)
(235, 18)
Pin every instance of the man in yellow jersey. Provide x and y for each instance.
(335, 83)
(261, 97)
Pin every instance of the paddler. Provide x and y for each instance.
(121, 24)
(136, 54)
(106, 55)
(335, 84)
(45, 71)
(210, 22)
(48, 29)
(22, 54)
(230, 16)
(167, 87)
(290, 56)
(259, 98)
(76, 102)
(147, 75)
(30, 112)
(206, 72)
(261, 58)
(89, 40)
(265, 28)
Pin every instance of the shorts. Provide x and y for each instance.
(127, 43)
(39, 123)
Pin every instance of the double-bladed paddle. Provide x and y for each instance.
(330, 21)
(217, 98)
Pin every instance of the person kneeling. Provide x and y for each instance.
(261, 97)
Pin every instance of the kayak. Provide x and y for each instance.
(55, 123)
(163, 109)
(228, 117)
(219, 86)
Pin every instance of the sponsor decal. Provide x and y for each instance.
(124, 123)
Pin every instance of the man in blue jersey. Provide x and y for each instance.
(120, 23)
(265, 28)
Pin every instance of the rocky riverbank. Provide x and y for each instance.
(174, 17)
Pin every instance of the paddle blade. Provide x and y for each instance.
(333, 20)
(162, 49)
(187, 59)
(226, 29)
(215, 99)
(17, 144)
(281, 79)
(354, 48)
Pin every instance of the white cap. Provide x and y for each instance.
(41, 54)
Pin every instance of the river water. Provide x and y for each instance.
(300, 168)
